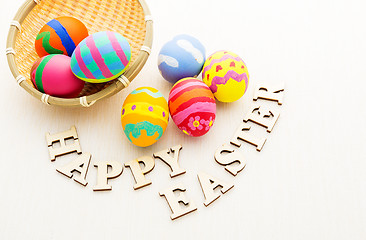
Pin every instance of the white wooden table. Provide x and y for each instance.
(308, 182)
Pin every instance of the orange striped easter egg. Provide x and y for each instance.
(60, 36)
(192, 106)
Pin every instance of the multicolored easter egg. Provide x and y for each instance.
(227, 76)
(181, 57)
(145, 116)
(192, 106)
(60, 36)
(52, 75)
(101, 57)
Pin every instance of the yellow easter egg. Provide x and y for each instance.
(226, 74)
(145, 116)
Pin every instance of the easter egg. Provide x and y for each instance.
(60, 36)
(227, 76)
(52, 75)
(181, 57)
(145, 116)
(101, 57)
(192, 106)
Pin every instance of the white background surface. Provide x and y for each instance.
(308, 182)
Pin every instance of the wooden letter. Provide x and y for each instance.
(268, 92)
(103, 174)
(80, 165)
(172, 161)
(62, 137)
(174, 201)
(226, 156)
(209, 184)
(262, 116)
(138, 173)
(242, 133)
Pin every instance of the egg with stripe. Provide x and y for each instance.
(101, 57)
(145, 116)
(52, 75)
(192, 106)
(226, 75)
(60, 36)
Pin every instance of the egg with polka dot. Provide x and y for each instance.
(181, 57)
(145, 116)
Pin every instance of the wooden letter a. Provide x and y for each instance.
(209, 184)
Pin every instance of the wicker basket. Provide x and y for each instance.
(131, 18)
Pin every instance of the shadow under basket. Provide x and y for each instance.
(131, 18)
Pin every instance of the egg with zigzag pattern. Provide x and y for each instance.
(226, 74)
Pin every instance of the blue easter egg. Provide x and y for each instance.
(181, 57)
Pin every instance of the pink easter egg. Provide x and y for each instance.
(192, 106)
(52, 75)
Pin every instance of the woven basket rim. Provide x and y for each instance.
(84, 101)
